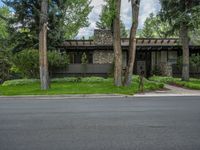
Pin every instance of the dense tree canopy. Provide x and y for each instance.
(154, 27)
(65, 18)
(176, 12)
(4, 30)
(107, 15)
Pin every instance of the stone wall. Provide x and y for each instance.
(103, 37)
(107, 57)
(103, 57)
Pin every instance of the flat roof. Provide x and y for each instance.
(142, 43)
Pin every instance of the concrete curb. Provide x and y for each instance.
(165, 95)
(68, 96)
(94, 96)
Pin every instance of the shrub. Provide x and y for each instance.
(67, 79)
(27, 61)
(79, 79)
(5, 66)
(84, 59)
(156, 70)
(95, 79)
(19, 82)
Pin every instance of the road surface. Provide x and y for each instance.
(160, 123)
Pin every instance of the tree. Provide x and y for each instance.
(117, 44)
(106, 19)
(182, 15)
(5, 63)
(44, 73)
(132, 42)
(106, 16)
(4, 13)
(65, 18)
(154, 27)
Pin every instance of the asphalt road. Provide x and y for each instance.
(162, 123)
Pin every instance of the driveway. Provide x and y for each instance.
(153, 123)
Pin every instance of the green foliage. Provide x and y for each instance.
(161, 79)
(195, 36)
(92, 85)
(27, 61)
(96, 79)
(84, 59)
(194, 61)
(57, 59)
(124, 32)
(156, 70)
(192, 84)
(154, 27)
(66, 79)
(107, 16)
(5, 66)
(4, 13)
(19, 82)
(5, 63)
(181, 11)
(65, 18)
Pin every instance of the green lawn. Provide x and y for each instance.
(192, 84)
(93, 85)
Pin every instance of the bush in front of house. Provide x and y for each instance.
(5, 66)
(96, 79)
(19, 82)
(192, 84)
(66, 79)
(163, 79)
(27, 62)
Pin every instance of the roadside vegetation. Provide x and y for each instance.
(191, 84)
(71, 85)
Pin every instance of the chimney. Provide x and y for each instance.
(103, 37)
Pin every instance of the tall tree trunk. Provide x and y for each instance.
(117, 45)
(185, 47)
(44, 74)
(132, 42)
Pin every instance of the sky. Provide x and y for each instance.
(146, 7)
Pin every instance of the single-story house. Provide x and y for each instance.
(151, 53)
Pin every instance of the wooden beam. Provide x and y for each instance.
(142, 41)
